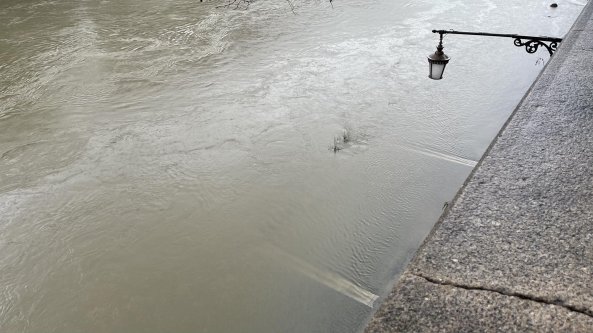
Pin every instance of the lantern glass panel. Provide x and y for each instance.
(436, 70)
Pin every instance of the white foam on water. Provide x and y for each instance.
(440, 155)
(327, 278)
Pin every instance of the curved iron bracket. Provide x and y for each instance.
(532, 45)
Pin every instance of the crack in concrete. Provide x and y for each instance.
(541, 300)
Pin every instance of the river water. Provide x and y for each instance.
(166, 165)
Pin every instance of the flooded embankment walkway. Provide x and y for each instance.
(514, 252)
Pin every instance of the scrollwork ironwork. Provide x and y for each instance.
(532, 45)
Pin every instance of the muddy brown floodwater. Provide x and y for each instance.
(165, 166)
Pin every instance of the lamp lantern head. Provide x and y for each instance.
(437, 62)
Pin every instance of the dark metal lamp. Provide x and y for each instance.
(438, 60)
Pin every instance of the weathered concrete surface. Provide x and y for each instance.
(423, 306)
(515, 251)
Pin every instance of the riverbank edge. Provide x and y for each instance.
(491, 262)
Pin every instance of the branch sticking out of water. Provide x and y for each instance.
(337, 145)
(236, 3)
(340, 141)
(245, 4)
(347, 135)
(291, 6)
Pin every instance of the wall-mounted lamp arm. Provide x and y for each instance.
(531, 44)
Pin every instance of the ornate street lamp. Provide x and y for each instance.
(438, 60)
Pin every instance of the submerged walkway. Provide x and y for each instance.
(515, 250)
